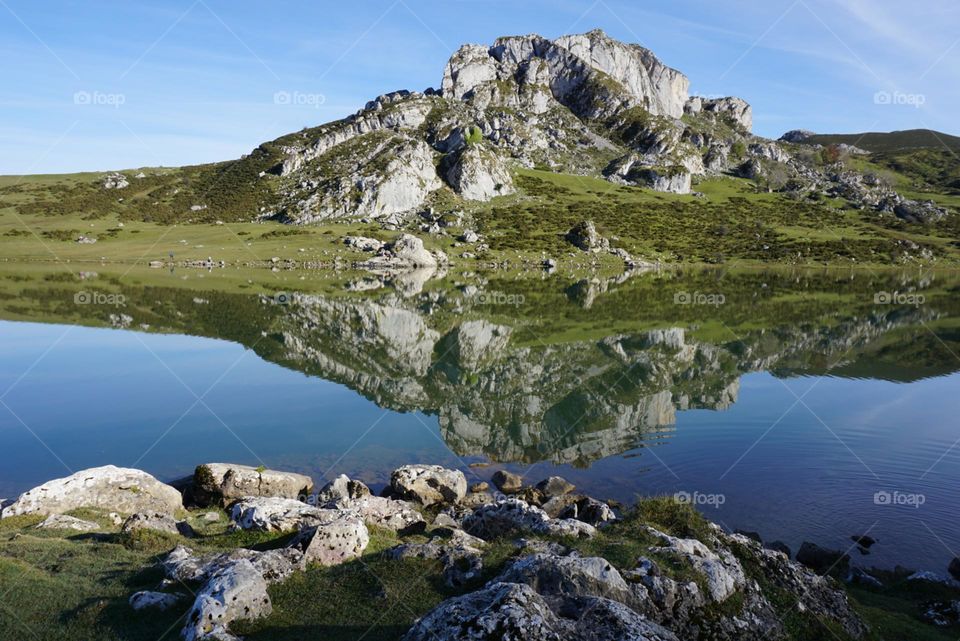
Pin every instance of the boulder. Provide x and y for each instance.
(115, 181)
(954, 568)
(555, 486)
(236, 591)
(363, 243)
(156, 521)
(108, 488)
(481, 486)
(338, 538)
(400, 516)
(512, 516)
(407, 252)
(342, 488)
(477, 172)
(781, 547)
(507, 482)
(275, 514)
(428, 484)
(584, 235)
(476, 342)
(721, 570)
(821, 560)
(64, 522)
(516, 612)
(460, 553)
(222, 483)
(183, 565)
(161, 601)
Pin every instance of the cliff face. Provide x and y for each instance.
(584, 104)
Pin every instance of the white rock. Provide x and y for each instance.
(224, 482)
(340, 537)
(64, 522)
(109, 488)
(275, 514)
(237, 591)
(429, 484)
(161, 601)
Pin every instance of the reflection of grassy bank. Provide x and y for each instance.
(62, 586)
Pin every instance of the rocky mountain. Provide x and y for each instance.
(582, 104)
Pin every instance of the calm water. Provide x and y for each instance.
(802, 406)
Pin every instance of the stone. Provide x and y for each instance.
(363, 243)
(428, 484)
(475, 343)
(469, 236)
(275, 514)
(584, 235)
(482, 486)
(161, 601)
(236, 591)
(516, 612)
(342, 488)
(862, 577)
(721, 570)
(338, 538)
(954, 568)
(183, 565)
(781, 547)
(821, 560)
(507, 482)
(797, 135)
(512, 516)
(64, 522)
(750, 535)
(156, 521)
(400, 516)
(108, 488)
(407, 251)
(555, 486)
(478, 173)
(460, 553)
(222, 483)
(115, 181)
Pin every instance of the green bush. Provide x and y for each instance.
(473, 135)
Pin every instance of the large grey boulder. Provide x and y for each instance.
(275, 514)
(156, 521)
(479, 173)
(515, 611)
(340, 537)
(221, 483)
(428, 484)
(513, 516)
(108, 488)
(236, 591)
(391, 514)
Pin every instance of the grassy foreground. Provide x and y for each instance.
(57, 585)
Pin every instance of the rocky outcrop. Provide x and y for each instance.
(479, 173)
(275, 514)
(223, 483)
(109, 488)
(518, 612)
(237, 591)
(584, 235)
(513, 516)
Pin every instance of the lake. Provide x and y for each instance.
(803, 405)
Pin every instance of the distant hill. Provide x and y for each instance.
(892, 141)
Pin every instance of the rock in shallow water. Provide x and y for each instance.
(428, 484)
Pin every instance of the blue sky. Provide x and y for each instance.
(98, 84)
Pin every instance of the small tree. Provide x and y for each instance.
(473, 135)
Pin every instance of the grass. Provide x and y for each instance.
(59, 585)
(42, 216)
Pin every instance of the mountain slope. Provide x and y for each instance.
(892, 141)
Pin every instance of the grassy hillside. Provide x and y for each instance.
(892, 141)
